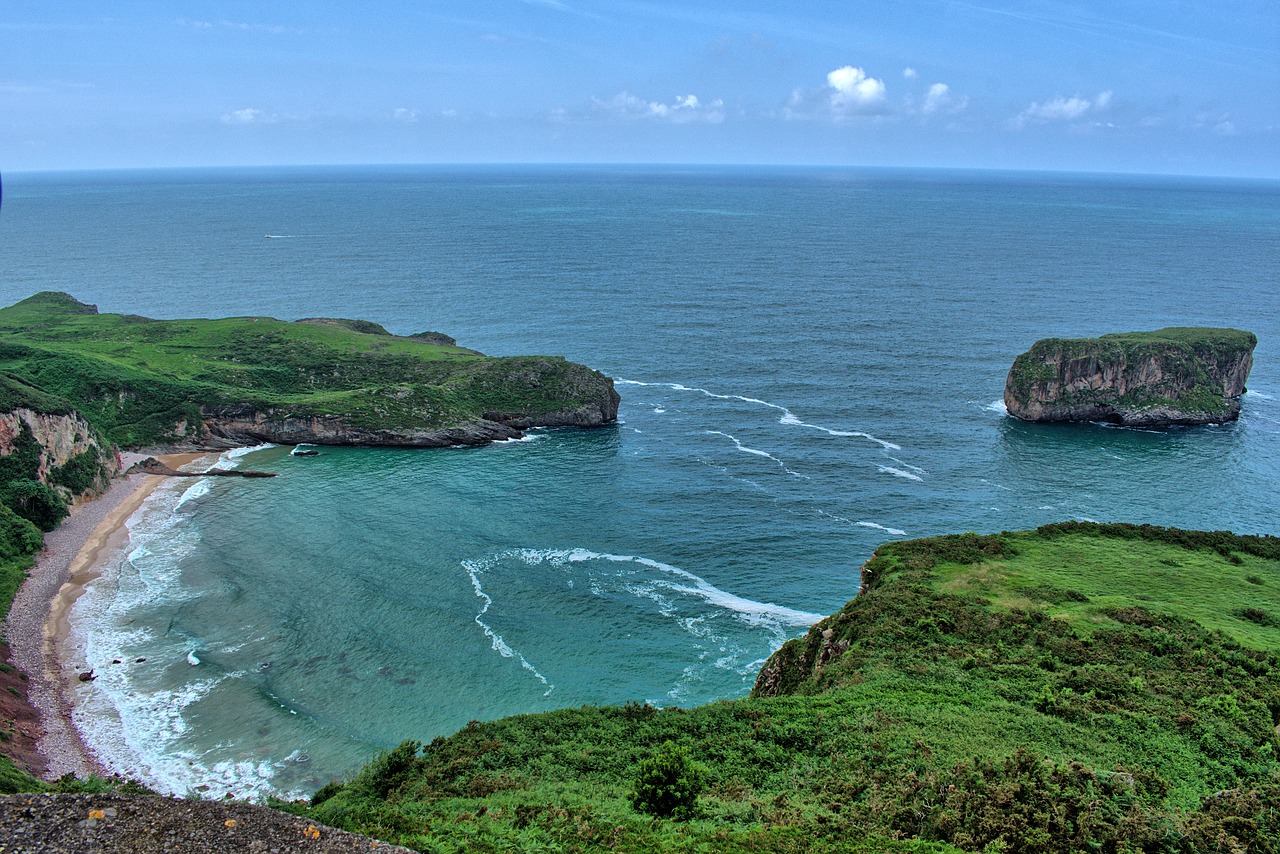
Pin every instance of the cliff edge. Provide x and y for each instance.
(1178, 375)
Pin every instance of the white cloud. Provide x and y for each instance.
(940, 99)
(274, 29)
(683, 110)
(1225, 128)
(853, 90)
(1063, 109)
(406, 115)
(248, 116)
(910, 73)
(849, 92)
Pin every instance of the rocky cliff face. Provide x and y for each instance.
(586, 399)
(1171, 376)
(67, 453)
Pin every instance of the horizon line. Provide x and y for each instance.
(994, 170)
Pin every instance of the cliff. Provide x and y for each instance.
(1170, 376)
(195, 384)
(60, 450)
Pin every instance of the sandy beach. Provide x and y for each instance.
(37, 623)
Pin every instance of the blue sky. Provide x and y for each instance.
(1177, 86)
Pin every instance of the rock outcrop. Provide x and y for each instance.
(1151, 379)
(65, 451)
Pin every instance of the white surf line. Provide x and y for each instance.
(757, 452)
(900, 473)
(701, 587)
(897, 532)
(500, 646)
(788, 417)
(915, 469)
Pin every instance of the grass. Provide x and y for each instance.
(142, 381)
(1083, 579)
(1098, 681)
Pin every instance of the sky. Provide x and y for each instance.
(1141, 86)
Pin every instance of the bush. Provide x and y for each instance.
(389, 770)
(34, 502)
(80, 473)
(668, 784)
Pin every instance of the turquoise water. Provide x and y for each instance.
(810, 363)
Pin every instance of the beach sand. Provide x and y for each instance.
(37, 624)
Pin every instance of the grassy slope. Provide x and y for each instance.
(1183, 352)
(1120, 655)
(134, 377)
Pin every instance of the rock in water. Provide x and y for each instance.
(1150, 379)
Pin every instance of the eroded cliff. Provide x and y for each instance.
(1167, 377)
(60, 450)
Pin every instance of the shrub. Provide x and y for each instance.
(668, 783)
(34, 502)
(80, 473)
(389, 770)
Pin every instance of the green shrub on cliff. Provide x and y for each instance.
(35, 502)
(668, 783)
(19, 542)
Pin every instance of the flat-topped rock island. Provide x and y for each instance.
(1173, 376)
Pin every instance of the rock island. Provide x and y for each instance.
(1178, 375)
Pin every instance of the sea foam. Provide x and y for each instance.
(756, 452)
(897, 472)
(133, 715)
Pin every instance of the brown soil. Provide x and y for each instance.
(19, 721)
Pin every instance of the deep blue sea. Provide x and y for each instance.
(810, 363)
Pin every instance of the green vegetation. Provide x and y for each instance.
(1079, 687)
(668, 783)
(144, 382)
(35, 502)
(1191, 364)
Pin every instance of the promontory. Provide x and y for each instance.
(1178, 375)
(211, 384)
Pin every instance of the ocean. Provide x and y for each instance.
(810, 362)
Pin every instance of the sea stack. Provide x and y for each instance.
(1179, 375)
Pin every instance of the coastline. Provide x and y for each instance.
(38, 621)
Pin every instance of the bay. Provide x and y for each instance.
(810, 362)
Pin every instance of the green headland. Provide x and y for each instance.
(211, 383)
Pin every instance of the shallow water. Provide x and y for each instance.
(810, 363)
